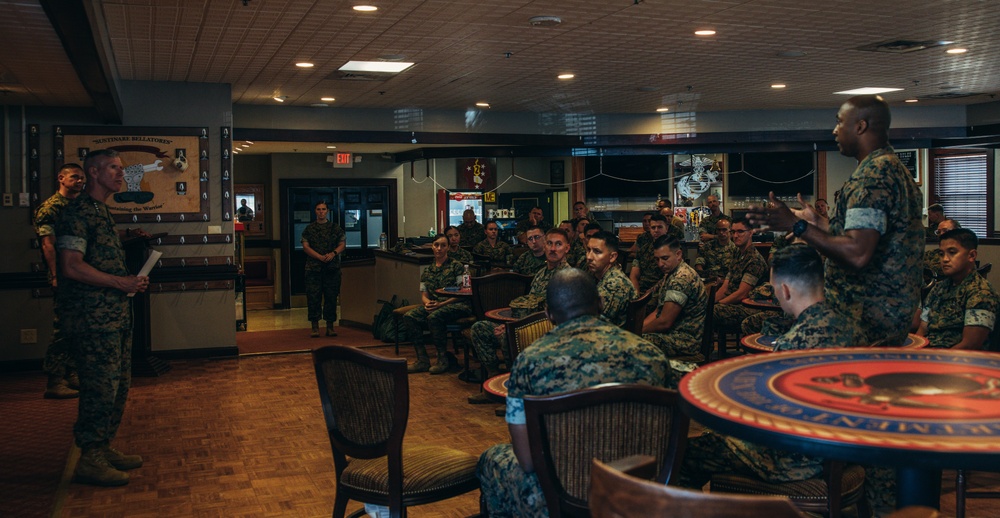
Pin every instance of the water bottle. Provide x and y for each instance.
(383, 242)
(466, 279)
(431, 232)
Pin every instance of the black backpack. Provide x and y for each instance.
(383, 325)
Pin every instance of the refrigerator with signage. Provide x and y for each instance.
(451, 205)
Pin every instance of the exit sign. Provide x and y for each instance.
(343, 161)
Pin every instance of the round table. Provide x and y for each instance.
(760, 343)
(454, 292)
(502, 315)
(917, 410)
(766, 305)
(497, 385)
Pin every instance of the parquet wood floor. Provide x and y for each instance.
(245, 437)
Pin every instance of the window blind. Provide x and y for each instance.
(960, 187)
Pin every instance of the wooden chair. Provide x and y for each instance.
(962, 493)
(707, 344)
(612, 421)
(840, 486)
(614, 494)
(524, 332)
(637, 313)
(366, 406)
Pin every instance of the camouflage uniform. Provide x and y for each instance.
(436, 277)
(460, 255)
(649, 270)
(323, 279)
(780, 241)
(676, 228)
(950, 307)
(683, 339)
(714, 258)
(616, 293)
(882, 296)
(500, 256)
(57, 361)
(97, 321)
(471, 235)
(767, 323)
(747, 266)
(528, 263)
(485, 342)
(580, 353)
(708, 223)
(932, 262)
(644, 239)
(577, 256)
(819, 326)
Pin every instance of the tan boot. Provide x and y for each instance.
(315, 330)
(58, 388)
(443, 363)
(94, 469)
(73, 380)
(423, 362)
(329, 329)
(121, 461)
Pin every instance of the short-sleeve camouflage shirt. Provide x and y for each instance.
(683, 287)
(950, 307)
(649, 270)
(471, 235)
(577, 256)
(46, 216)
(746, 266)
(580, 353)
(616, 293)
(528, 263)
(87, 227)
(500, 255)
(932, 261)
(435, 277)
(881, 297)
(460, 255)
(644, 239)
(819, 326)
(541, 281)
(714, 257)
(323, 238)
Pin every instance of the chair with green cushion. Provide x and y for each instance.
(366, 406)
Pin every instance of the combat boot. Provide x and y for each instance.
(423, 362)
(94, 469)
(329, 329)
(443, 363)
(73, 380)
(58, 388)
(315, 330)
(121, 461)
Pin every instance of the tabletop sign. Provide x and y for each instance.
(924, 400)
(343, 161)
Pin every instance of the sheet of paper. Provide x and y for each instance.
(154, 256)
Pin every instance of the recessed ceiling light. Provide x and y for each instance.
(661, 110)
(483, 105)
(365, 8)
(566, 76)
(304, 64)
(957, 51)
(704, 32)
(868, 90)
(327, 99)
(248, 142)
(912, 100)
(391, 67)
(778, 86)
(244, 145)
(331, 147)
(280, 98)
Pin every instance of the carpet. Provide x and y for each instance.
(293, 340)
(36, 434)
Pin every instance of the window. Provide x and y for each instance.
(961, 180)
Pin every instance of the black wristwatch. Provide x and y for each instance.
(800, 227)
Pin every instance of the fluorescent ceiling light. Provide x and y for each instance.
(483, 105)
(391, 67)
(661, 110)
(280, 98)
(327, 99)
(957, 51)
(777, 86)
(704, 32)
(304, 64)
(868, 90)
(365, 8)
(566, 76)
(331, 147)
(912, 100)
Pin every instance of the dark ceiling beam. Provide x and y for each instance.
(81, 28)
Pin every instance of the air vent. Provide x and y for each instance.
(355, 76)
(949, 95)
(901, 46)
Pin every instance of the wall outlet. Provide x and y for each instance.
(8, 199)
(29, 336)
(23, 199)
(215, 229)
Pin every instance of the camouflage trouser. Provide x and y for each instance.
(436, 321)
(712, 454)
(728, 317)
(769, 323)
(104, 364)
(486, 344)
(506, 488)
(58, 362)
(676, 345)
(880, 489)
(322, 290)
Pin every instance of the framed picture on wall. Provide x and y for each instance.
(911, 159)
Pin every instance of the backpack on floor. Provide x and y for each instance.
(383, 325)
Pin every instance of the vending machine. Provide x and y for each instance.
(451, 205)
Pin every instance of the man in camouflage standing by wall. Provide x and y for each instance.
(323, 241)
(58, 364)
(96, 314)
